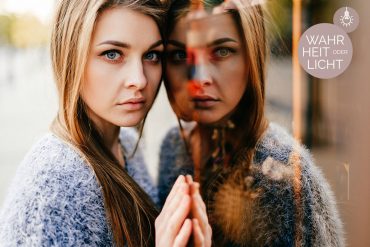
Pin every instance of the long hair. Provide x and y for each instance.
(130, 212)
(249, 117)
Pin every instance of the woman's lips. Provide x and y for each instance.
(133, 104)
(204, 101)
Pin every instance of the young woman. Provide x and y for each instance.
(80, 184)
(260, 186)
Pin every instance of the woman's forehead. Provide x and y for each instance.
(123, 24)
(212, 28)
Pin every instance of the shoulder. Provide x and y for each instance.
(54, 197)
(277, 151)
(284, 191)
(277, 144)
(56, 161)
(280, 159)
(289, 181)
(52, 160)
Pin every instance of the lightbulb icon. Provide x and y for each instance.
(346, 20)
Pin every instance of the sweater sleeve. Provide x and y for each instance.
(55, 200)
(327, 228)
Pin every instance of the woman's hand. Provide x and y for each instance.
(172, 228)
(202, 231)
(183, 214)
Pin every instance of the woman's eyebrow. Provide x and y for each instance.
(213, 43)
(176, 43)
(156, 44)
(221, 41)
(125, 45)
(115, 43)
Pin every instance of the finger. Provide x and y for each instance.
(179, 215)
(195, 195)
(198, 235)
(199, 199)
(189, 179)
(208, 238)
(170, 207)
(178, 190)
(199, 213)
(176, 201)
(182, 238)
(180, 180)
(194, 187)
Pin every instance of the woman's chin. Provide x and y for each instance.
(129, 121)
(208, 119)
(212, 119)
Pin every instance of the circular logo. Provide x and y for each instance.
(325, 51)
(346, 18)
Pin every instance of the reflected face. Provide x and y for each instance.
(215, 96)
(123, 69)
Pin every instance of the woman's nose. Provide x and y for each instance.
(136, 75)
(200, 74)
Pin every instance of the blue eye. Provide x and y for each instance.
(112, 55)
(153, 56)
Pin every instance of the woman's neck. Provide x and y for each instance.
(111, 140)
(110, 136)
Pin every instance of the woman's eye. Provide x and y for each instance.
(177, 56)
(153, 56)
(112, 55)
(222, 52)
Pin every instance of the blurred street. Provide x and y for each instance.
(27, 105)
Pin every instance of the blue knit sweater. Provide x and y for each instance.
(56, 200)
(284, 200)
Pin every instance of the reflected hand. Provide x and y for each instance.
(202, 231)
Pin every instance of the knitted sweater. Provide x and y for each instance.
(56, 200)
(283, 200)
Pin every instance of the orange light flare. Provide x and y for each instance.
(196, 5)
(194, 45)
(196, 50)
(297, 72)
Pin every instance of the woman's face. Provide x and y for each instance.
(223, 80)
(123, 69)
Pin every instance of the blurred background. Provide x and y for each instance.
(334, 114)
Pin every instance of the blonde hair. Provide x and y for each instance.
(129, 210)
